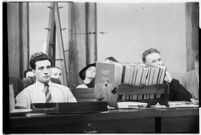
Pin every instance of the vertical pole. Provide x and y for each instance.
(87, 33)
(51, 35)
(24, 36)
(91, 30)
(192, 33)
(60, 44)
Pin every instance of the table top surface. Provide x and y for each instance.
(144, 112)
(32, 119)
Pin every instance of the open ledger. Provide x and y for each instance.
(124, 105)
(176, 104)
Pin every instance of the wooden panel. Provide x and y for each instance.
(13, 39)
(24, 22)
(125, 126)
(70, 108)
(38, 129)
(79, 127)
(84, 93)
(186, 124)
(192, 33)
(18, 38)
(112, 121)
(82, 42)
(85, 126)
(91, 30)
(77, 45)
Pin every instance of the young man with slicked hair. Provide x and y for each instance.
(43, 90)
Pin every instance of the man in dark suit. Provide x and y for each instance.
(177, 91)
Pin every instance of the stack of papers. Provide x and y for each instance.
(174, 104)
(158, 106)
(123, 105)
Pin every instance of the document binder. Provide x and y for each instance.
(72, 107)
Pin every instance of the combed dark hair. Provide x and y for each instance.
(82, 73)
(147, 52)
(38, 57)
(27, 70)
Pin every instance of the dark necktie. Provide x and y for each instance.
(47, 94)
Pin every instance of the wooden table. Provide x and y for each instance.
(112, 121)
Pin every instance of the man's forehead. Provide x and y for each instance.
(43, 63)
(56, 70)
(153, 56)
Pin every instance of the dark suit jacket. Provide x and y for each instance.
(55, 81)
(177, 92)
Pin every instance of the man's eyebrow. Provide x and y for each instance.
(41, 67)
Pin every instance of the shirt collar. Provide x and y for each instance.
(41, 85)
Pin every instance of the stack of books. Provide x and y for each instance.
(110, 75)
(142, 74)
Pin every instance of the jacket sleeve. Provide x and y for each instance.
(178, 92)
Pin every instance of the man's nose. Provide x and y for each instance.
(158, 63)
(46, 71)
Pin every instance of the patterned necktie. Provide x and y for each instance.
(47, 94)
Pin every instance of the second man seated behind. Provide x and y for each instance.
(56, 75)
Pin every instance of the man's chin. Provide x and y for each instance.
(45, 80)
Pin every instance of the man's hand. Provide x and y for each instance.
(194, 101)
(168, 77)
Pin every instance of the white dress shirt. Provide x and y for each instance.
(35, 93)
